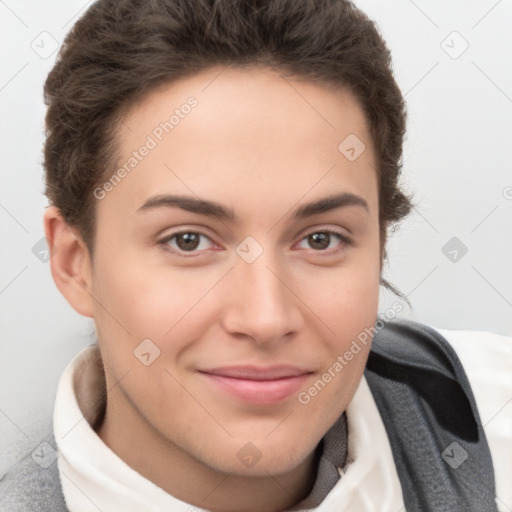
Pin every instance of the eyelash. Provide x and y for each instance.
(345, 241)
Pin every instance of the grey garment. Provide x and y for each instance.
(427, 406)
(333, 455)
(32, 486)
(429, 412)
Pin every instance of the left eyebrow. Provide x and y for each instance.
(217, 210)
(330, 203)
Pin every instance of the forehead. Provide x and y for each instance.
(252, 96)
(241, 134)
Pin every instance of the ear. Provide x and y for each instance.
(69, 262)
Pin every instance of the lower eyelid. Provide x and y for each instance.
(344, 241)
(165, 243)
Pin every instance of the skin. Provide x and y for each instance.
(262, 145)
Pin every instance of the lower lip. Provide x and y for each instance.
(262, 392)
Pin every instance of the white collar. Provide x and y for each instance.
(93, 476)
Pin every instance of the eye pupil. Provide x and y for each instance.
(322, 238)
(191, 241)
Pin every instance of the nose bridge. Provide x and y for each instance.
(261, 304)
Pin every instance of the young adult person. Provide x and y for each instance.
(222, 177)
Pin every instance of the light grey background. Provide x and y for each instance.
(458, 163)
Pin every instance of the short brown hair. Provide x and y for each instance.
(119, 50)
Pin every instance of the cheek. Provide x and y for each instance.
(351, 315)
(346, 299)
(352, 321)
(136, 301)
(349, 307)
(125, 312)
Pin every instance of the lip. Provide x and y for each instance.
(258, 385)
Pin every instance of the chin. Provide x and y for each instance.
(259, 460)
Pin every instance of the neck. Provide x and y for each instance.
(165, 464)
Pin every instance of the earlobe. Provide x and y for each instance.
(69, 262)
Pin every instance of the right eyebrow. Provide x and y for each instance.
(221, 212)
(190, 204)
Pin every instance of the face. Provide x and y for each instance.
(224, 298)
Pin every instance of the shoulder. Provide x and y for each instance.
(487, 361)
(34, 483)
(482, 352)
(480, 360)
(477, 352)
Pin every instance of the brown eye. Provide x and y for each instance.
(320, 241)
(186, 242)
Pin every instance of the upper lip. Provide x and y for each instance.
(257, 372)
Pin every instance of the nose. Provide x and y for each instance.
(261, 302)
